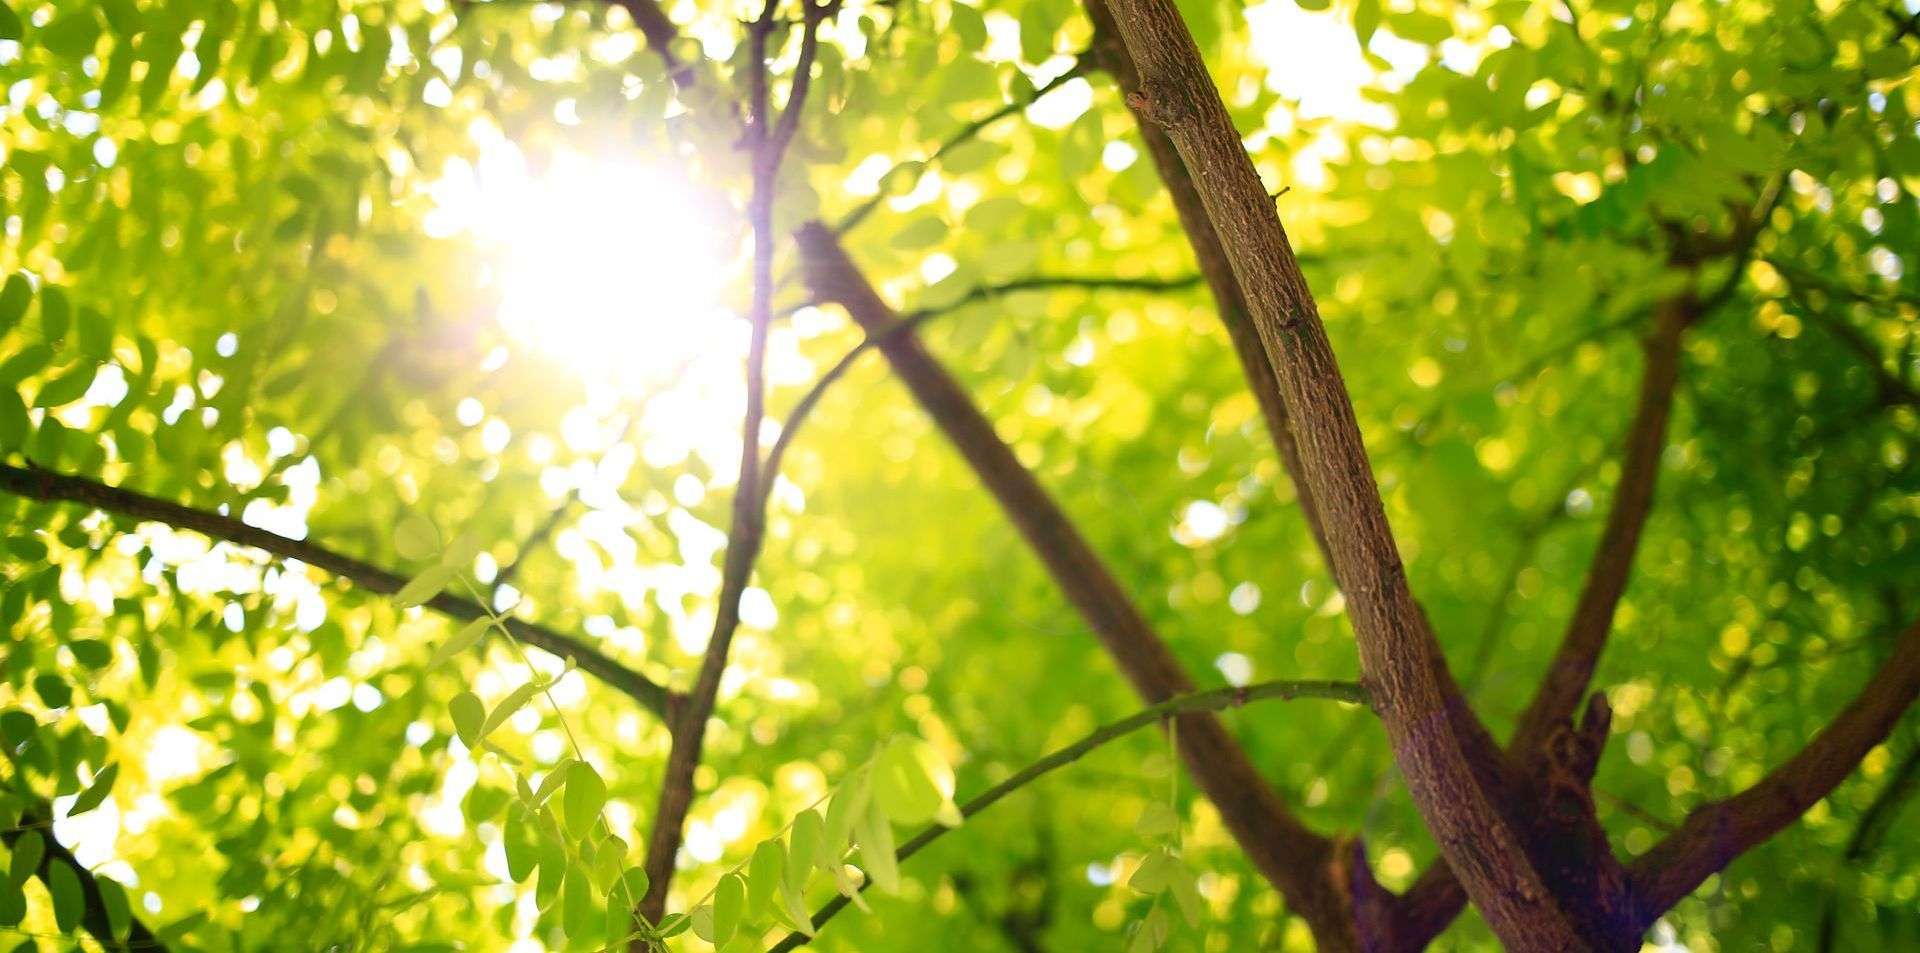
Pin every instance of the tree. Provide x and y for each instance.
(452, 502)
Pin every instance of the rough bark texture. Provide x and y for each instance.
(1712, 836)
(1399, 656)
(49, 486)
(1290, 855)
(1437, 897)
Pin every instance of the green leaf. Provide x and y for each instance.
(577, 908)
(794, 903)
(674, 925)
(922, 233)
(66, 388)
(522, 843)
(178, 929)
(113, 901)
(54, 691)
(586, 794)
(910, 780)
(469, 713)
(609, 859)
(634, 884)
(1153, 873)
(702, 920)
(1151, 934)
(552, 782)
(1420, 26)
(28, 851)
(422, 588)
(13, 907)
(728, 900)
(875, 837)
(461, 552)
(848, 803)
(1186, 892)
(56, 314)
(416, 539)
(764, 876)
(1156, 820)
(15, 425)
(1037, 28)
(124, 17)
(96, 792)
(96, 333)
(92, 653)
(30, 360)
(17, 727)
(69, 899)
(803, 848)
(17, 293)
(460, 641)
(515, 700)
(72, 34)
(967, 24)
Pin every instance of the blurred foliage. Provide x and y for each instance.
(226, 288)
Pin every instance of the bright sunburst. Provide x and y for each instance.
(611, 268)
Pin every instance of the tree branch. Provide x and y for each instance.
(966, 134)
(1712, 836)
(660, 31)
(1285, 850)
(56, 487)
(1219, 699)
(1403, 665)
(805, 405)
(769, 138)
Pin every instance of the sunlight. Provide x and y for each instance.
(611, 268)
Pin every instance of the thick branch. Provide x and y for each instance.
(1404, 668)
(1286, 851)
(803, 407)
(1219, 699)
(48, 486)
(1712, 836)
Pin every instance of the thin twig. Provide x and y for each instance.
(768, 137)
(1219, 699)
(49, 486)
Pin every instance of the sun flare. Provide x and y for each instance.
(611, 268)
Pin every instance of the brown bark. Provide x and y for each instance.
(1400, 658)
(1712, 836)
(49, 486)
(1437, 897)
(1290, 855)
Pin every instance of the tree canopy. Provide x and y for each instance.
(613, 474)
